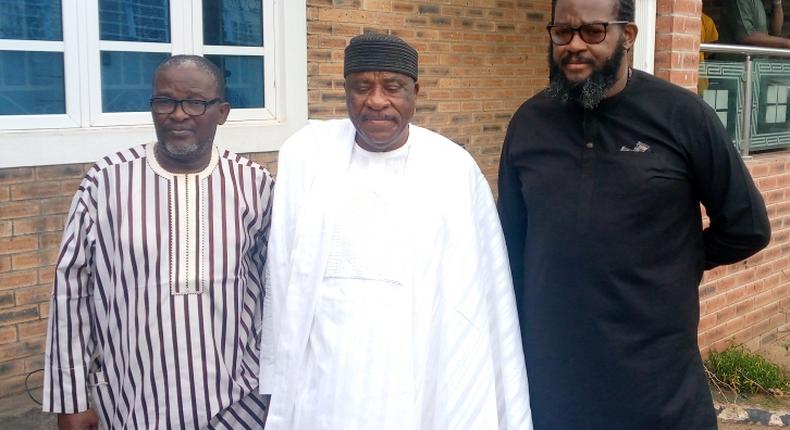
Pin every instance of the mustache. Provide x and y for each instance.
(370, 117)
(574, 58)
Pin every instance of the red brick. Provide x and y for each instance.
(34, 259)
(707, 322)
(5, 265)
(725, 315)
(12, 280)
(18, 314)
(18, 244)
(36, 190)
(713, 304)
(39, 294)
(16, 175)
(50, 240)
(34, 329)
(7, 334)
(59, 205)
(5, 193)
(34, 363)
(43, 309)
(73, 171)
(6, 299)
(38, 224)
(12, 368)
(21, 349)
(23, 209)
(46, 276)
(6, 228)
(744, 306)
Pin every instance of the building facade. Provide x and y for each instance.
(75, 87)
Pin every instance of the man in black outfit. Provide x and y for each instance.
(600, 185)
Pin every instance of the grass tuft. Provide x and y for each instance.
(745, 372)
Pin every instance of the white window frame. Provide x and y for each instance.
(85, 134)
(645, 45)
(776, 104)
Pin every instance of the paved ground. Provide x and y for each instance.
(20, 413)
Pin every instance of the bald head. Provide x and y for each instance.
(199, 62)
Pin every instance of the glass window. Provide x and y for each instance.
(233, 22)
(31, 83)
(243, 79)
(126, 80)
(31, 20)
(776, 104)
(135, 20)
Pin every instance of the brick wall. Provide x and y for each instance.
(677, 41)
(33, 205)
(749, 302)
(478, 63)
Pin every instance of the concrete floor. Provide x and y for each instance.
(21, 413)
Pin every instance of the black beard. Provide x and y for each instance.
(592, 90)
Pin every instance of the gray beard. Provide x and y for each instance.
(590, 92)
(181, 152)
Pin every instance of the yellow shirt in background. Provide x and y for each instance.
(708, 33)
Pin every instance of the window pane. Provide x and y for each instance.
(135, 20)
(126, 80)
(233, 22)
(243, 79)
(31, 83)
(31, 20)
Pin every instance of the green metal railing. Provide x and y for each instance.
(750, 90)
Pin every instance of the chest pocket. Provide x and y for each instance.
(632, 175)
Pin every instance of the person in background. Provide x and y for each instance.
(708, 34)
(744, 22)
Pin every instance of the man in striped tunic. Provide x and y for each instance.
(156, 311)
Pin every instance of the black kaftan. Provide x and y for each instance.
(601, 213)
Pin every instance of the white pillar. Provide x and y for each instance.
(645, 47)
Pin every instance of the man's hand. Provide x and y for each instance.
(86, 420)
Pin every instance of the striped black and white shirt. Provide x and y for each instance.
(157, 304)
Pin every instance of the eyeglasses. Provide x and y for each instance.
(165, 105)
(562, 34)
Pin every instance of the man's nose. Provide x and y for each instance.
(377, 99)
(577, 43)
(179, 113)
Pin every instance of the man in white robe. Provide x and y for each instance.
(391, 302)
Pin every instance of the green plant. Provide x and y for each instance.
(745, 372)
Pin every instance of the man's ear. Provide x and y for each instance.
(630, 31)
(416, 88)
(224, 111)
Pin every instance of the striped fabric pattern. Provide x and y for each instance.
(156, 310)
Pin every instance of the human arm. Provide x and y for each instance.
(777, 18)
(748, 25)
(277, 264)
(86, 420)
(261, 258)
(69, 341)
(766, 40)
(512, 211)
(739, 225)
